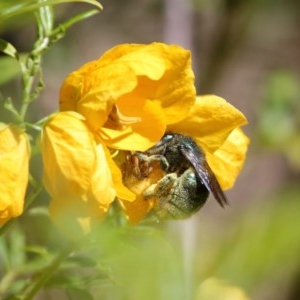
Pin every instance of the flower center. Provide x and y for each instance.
(118, 121)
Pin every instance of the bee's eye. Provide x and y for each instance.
(168, 137)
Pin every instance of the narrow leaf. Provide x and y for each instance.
(79, 18)
(27, 6)
(8, 48)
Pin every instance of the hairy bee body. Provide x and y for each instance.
(186, 181)
(178, 197)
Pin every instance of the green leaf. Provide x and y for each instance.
(25, 6)
(8, 49)
(77, 18)
(37, 249)
(46, 19)
(8, 105)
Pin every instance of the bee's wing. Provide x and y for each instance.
(206, 175)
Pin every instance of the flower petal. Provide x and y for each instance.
(227, 161)
(175, 90)
(144, 60)
(14, 171)
(137, 210)
(96, 92)
(102, 188)
(115, 176)
(210, 121)
(69, 155)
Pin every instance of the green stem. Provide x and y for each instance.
(36, 286)
(30, 71)
(25, 97)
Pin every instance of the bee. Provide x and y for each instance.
(185, 180)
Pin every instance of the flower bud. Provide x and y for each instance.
(14, 171)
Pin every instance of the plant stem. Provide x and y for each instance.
(40, 281)
(31, 70)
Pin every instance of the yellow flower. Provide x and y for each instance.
(130, 91)
(14, 171)
(127, 100)
(124, 100)
(214, 124)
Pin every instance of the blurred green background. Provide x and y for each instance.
(247, 52)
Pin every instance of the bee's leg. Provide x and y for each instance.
(162, 188)
(153, 158)
(145, 162)
(177, 197)
(134, 165)
(161, 192)
(161, 159)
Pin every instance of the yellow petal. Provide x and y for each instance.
(14, 171)
(108, 84)
(175, 90)
(210, 121)
(137, 210)
(107, 179)
(144, 60)
(89, 77)
(102, 188)
(69, 155)
(95, 92)
(227, 161)
(70, 92)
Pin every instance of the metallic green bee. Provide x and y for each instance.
(187, 179)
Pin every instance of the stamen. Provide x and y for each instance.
(117, 120)
(114, 154)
